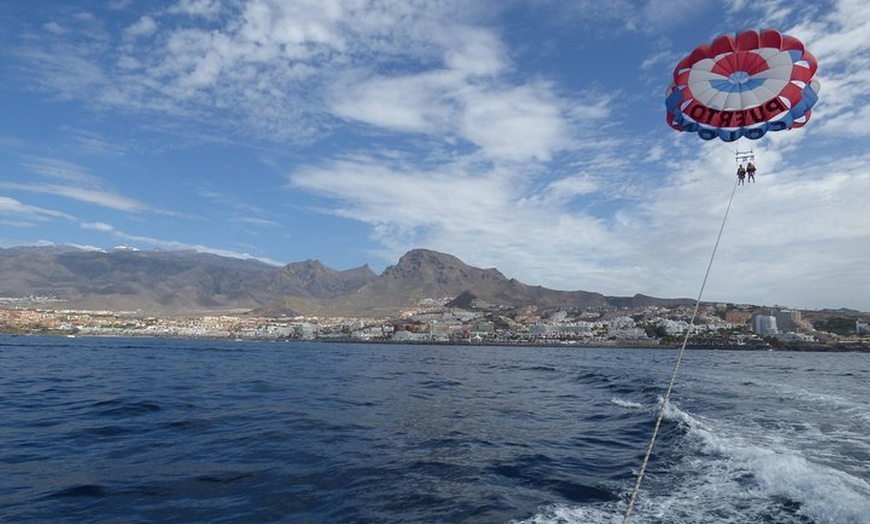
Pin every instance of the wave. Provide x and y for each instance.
(564, 514)
(82, 490)
(718, 471)
(628, 404)
(740, 474)
(124, 408)
(774, 471)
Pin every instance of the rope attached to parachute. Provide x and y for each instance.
(667, 395)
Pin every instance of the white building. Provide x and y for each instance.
(787, 320)
(672, 327)
(764, 325)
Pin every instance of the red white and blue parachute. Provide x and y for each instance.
(743, 85)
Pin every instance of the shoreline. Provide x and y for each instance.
(806, 347)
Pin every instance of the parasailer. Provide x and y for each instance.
(743, 85)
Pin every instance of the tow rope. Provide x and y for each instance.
(665, 398)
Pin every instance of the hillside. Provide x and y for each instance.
(188, 281)
(164, 282)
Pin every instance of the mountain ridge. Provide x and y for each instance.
(175, 282)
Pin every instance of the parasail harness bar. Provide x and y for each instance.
(743, 156)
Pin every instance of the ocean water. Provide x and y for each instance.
(149, 430)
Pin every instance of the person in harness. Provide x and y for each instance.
(741, 175)
(750, 170)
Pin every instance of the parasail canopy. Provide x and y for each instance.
(743, 85)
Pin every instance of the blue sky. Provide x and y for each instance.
(528, 135)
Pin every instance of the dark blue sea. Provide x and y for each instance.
(151, 430)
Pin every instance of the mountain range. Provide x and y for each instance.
(175, 282)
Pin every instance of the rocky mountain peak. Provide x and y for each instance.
(306, 271)
(423, 262)
(424, 265)
(320, 281)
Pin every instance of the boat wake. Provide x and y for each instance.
(719, 471)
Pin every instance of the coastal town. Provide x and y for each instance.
(431, 321)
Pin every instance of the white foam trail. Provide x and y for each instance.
(626, 403)
(563, 514)
(743, 463)
(733, 473)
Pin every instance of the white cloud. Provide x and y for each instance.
(206, 8)
(67, 75)
(146, 26)
(96, 143)
(417, 104)
(60, 170)
(120, 5)
(11, 206)
(90, 196)
(523, 123)
(76, 183)
(258, 222)
(262, 67)
(55, 28)
(842, 48)
(236, 209)
(569, 187)
(794, 233)
(428, 101)
(467, 98)
(169, 245)
(98, 226)
(480, 215)
(474, 53)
